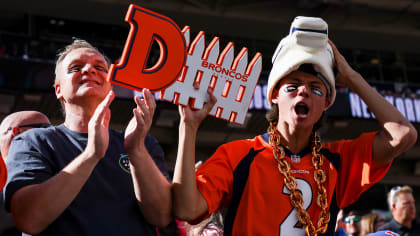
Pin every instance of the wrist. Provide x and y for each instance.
(187, 127)
(91, 156)
(137, 152)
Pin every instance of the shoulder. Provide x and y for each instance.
(364, 140)
(235, 151)
(257, 143)
(38, 135)
(416, 225)
(392, 225)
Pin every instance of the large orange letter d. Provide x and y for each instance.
(148, 27)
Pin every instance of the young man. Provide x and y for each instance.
(11, 126)
(82, 178)
(285, 182)
(352, 224)
(403, 209)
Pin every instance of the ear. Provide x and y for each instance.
(274, 96)
(58, 93)
(327, 103)
(393, 206)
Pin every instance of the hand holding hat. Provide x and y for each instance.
(345, 72)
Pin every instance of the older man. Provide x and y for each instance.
(80, 177)
(11, 126)
(403, 208)
(17, 123)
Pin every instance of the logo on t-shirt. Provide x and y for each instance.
(124, 163)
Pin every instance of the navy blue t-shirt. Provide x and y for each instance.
(106, 204)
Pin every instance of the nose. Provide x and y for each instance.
(303, 90)
(88, 68)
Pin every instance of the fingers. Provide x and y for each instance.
(147, 105)
(210, 103)
(198, 164)
(106, 117)
(149, 100)
(196, 85)
(332, 44)
(334, 48)
(181, 109)
(103, 108)
(108, 99)
(142, 113)
(337, 54)
(139, 116)
(145, 109)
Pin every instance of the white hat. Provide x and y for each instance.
(307, 43)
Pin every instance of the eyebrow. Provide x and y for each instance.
(75, 61)
(97, 61)
(104, 63)
(315, 82)
(298, 80)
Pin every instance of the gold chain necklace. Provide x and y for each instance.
(296, 198)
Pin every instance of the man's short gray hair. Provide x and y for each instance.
(395, 192)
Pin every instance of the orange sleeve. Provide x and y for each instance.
(357, 173)
(215, 178)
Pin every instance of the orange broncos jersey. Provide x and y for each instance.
(243, 176)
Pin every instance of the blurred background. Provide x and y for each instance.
(379, 38)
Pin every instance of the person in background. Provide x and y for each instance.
(370, 223)
(384, 233)
(212, 226)
(286, 182)
(402, 205)
(11, 126)
(81, 177)
(339, 225)
(17, 123)
(352, 223)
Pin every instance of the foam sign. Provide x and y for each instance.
(147, 27)
(232, 79)
(183, 76)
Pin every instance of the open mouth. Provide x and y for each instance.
(301, 109)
